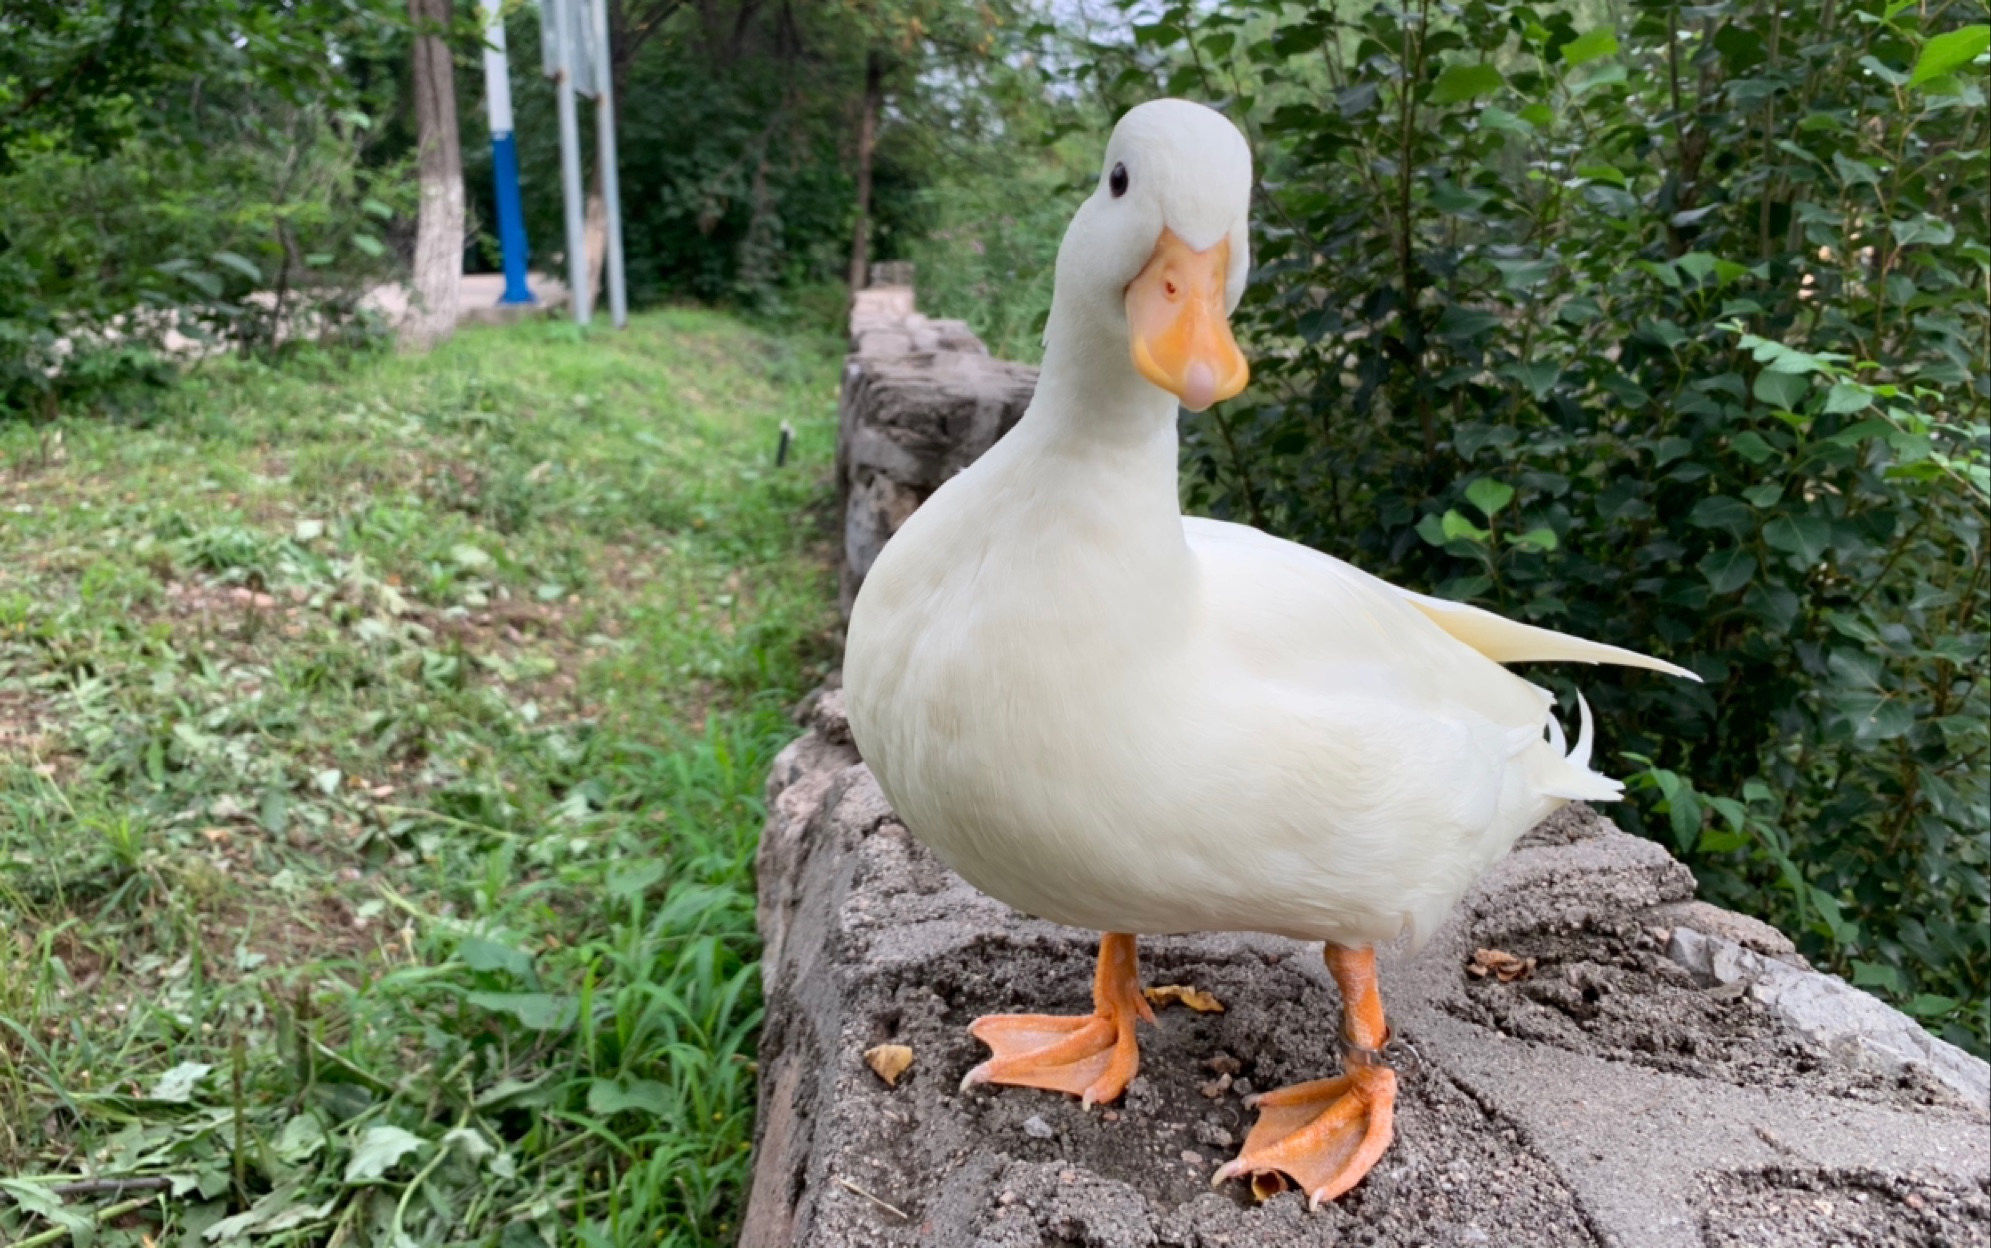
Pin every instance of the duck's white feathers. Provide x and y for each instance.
(1114, 717)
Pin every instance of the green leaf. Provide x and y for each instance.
(635, 878)
(1846, 397)
(1930, 1005)
(1803, 536)
(1489, 496)
(377, 1152)
(1855, 172)
(43, 1203)
(1521, 274)
(1432, 530)
(1683, 811)
(486, 956)
(177, 1085)
(535, 1011)
(1589, 46)
(1923, 229)
(1540, 539)
(1949, 52)
(1466, 82)
(1783, 391)
(300, 1139)
(613, 1096)
(1722, 512)
(1728, 570)
(1579, 310)
(1539, 377)
(1878, 975)
(241, 264)
(1455, 527)
(1491, 118)
(1458, 322)
(1881, 70)
(1602, 76)
(1763, 495)
(1751, 446)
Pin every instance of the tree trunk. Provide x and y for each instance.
(438, 276)
(867, 142)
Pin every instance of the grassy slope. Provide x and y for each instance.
(380, 762)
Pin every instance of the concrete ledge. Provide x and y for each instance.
(1649, 1082)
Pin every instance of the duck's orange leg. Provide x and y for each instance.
(1327, 1134)
(1093, 1057)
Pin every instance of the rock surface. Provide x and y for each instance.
(922, 399)
(1666, 1075)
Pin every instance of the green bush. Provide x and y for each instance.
(166, 188)
(1670, 331)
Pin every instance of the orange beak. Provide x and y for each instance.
(1181, 335)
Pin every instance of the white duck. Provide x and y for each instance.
(1113, 716)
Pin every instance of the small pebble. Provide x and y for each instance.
(1213, 1135)
(1241, 1086)
(1191, 1156)
(1111, 1115)
(1036, 1128)
(1223, 1064)
(1216, 1087)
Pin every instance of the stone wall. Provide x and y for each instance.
(922, 399)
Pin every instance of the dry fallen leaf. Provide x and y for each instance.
(1195, 998)
(889, 1061)
(1500, 964)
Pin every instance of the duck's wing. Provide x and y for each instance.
(1315, 625)
(1497, 637)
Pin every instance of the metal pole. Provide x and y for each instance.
(611, 188)
(504, 156)
(570, 168)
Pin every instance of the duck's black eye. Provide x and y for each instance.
(1117, 181)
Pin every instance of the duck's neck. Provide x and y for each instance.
(1098, 418)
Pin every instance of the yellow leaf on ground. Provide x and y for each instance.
(889, 1061)
(1501, 964)
(1195, 998)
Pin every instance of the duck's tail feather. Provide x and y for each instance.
(1575, 781)
(1510, 641)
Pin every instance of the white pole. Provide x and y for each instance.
(611, 187)
(570, 167)
(504, 155)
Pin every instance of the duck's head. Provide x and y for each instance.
(1159, 252)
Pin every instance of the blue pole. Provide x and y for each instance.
(511, 218)
(504, 155)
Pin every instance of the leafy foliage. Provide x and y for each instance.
(162, 163)
(1667, 329)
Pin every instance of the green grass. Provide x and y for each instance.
(381, 750)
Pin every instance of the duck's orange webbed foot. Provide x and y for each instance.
(1092, 1057)
(1326, 1135)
